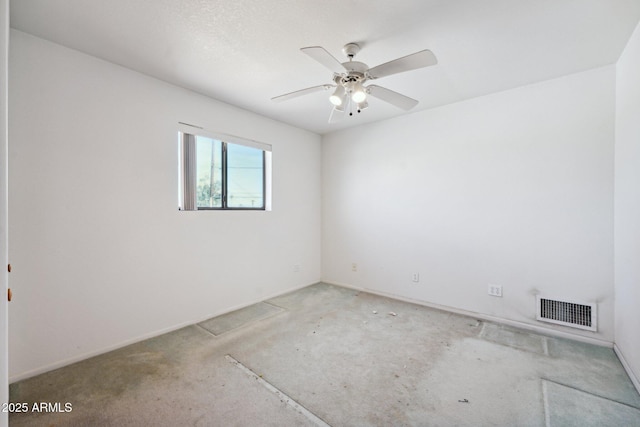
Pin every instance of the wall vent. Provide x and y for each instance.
(575, 315)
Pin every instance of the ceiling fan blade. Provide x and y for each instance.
(392, 97)
(421, 59)
(325, 58)
(300, 92)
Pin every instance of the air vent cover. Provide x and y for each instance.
(573, 314)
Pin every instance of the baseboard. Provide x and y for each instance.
(632, 375)
(521, 325)
(90, 354)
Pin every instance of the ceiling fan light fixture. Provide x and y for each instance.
(362, 105)
(341, 107)
(358, 94)
(337, 98)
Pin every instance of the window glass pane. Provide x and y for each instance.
(209, 173)
(245, 177)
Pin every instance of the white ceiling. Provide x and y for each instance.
(244, 52)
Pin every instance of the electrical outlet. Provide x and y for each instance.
(495, 290)
(354, 267)
(416, 277)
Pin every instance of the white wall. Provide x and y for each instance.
(627, 207)
(101, 254)
(513, 189)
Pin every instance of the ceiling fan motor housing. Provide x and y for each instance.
(356, 73)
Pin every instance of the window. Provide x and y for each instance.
(219, 172)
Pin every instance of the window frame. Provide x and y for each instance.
(191, 168)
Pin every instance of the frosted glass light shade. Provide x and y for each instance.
(358, 94)
(338, 96)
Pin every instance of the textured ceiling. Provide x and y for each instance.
(245, 52)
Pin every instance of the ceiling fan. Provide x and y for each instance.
(349, 79)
